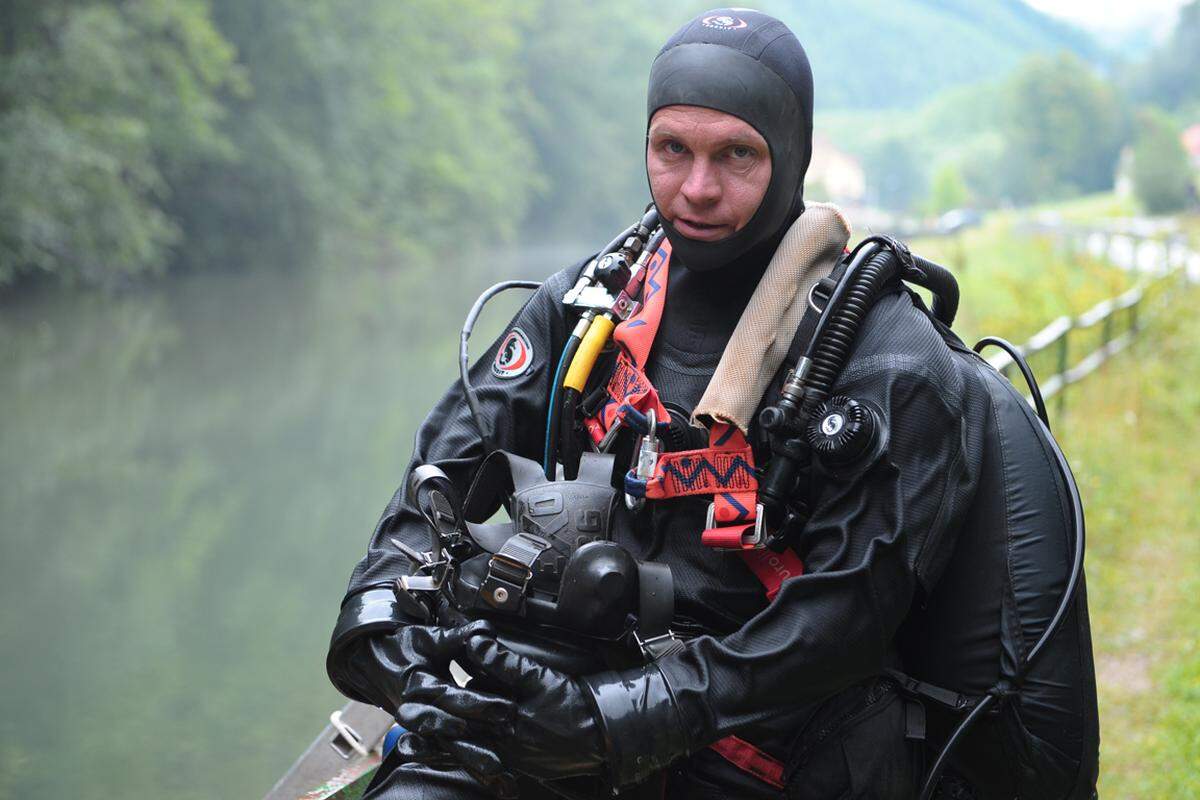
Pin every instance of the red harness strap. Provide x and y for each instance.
(724, 470)
(746, 756)
(628, 388)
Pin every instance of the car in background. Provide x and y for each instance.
(958, 219)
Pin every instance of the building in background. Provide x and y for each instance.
(834, 175)
(1191, 143)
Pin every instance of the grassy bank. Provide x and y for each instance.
(1128, 431)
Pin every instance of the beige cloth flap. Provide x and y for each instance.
(808, 252)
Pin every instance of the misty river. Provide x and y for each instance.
(189, 472)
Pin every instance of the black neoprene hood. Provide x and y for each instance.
(750, 65)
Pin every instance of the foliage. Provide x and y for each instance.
(947, 189)
(1162, 176)
(394, 123)
(101, 106)
(895, 174)
(1013, 284)
(898, 55)
(1063, 129)
(1169, 77)
(586, 121)
(1050, 129)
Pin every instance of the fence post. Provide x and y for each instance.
(1063, 365)
(1106, 331)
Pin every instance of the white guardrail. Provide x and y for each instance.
(1119, 319)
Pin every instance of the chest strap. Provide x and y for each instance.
(724, 470)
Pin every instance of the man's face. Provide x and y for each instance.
(708, 170)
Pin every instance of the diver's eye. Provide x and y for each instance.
(674, 148)
(741, 151)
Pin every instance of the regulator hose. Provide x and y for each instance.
(938, 280)
(871, 267)
(555, 410)
(875, 262)
(1015, 354)
(464, 360)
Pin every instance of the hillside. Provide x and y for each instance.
(867, 54)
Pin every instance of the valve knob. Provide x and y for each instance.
(841, 430)
(613, 271)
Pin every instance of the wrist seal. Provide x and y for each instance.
(642, 728)
(370, 612)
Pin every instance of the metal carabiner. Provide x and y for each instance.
(645, 460)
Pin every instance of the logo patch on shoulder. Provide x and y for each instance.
(723, 22)
(515, 356)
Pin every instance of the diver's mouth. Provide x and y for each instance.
(704, 231)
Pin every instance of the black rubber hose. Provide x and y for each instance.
(464, 363)
(939, 764)
(620, 240)
(649, 220)
(940, 281)
(550, 456)
(569, 405)
(838, 327)
(1018, 359)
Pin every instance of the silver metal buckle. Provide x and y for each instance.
(353, 742)
(647, 645)
(428, 577)
(610, 436)
(757, 539)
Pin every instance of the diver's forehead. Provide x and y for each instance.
(681, 119)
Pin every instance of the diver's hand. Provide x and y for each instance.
(483, 764)
(553, 733)
(408, 674)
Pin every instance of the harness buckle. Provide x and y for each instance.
(510, 570)
(756, 540)
(655, 647)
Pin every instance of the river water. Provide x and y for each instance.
(188, 473)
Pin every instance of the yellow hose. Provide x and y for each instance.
(589, 350)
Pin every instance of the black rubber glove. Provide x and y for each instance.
(553, 733)
(407, 673)
(483, 764)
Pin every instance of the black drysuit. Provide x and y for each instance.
(797, 676)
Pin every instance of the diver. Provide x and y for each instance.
(785, 676)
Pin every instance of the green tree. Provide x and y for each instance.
(102, 107)
(587, 122)
(395, 124)
(894, 173)
(1162, 177)
(1169, 78)
(1063, 129)
(947, 189)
